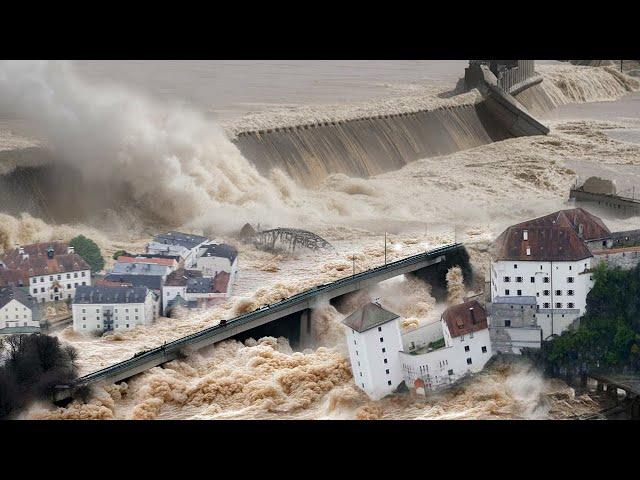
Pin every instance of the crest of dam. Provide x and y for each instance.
(363, 147)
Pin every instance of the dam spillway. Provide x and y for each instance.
(369, 146)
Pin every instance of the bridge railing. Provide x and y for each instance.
(177, 344)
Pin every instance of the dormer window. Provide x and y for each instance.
(525, 235)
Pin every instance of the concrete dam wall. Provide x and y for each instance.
(369, 146)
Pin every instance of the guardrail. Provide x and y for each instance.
(175, 346)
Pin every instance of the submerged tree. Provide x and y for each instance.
(89, 251)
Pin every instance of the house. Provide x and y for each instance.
(51, 270)
(373, 337)
(181, 244)
(513, 325)
(151, 282)
(548, 258)
(172, 262)
(380, 364)
(189, 288)
(19, 312)
(141, 268)
(465, 347)
(213, 258)
(102, 309)
(176, 285)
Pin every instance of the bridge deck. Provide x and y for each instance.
(628, 383)
(299, 302)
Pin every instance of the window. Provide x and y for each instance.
(59, 277)
(381, 339)
(466, 348)
(484, 349)
(389, 383)
(570, 267)
(385, 361)
(82, 275)
(35, 290)
(558, 293)
(570, 305)
(387, 370)
(354, 341)
(528, 251)
(469, 361)
(507, 323)
(42, 289)
(545, 293)
(558, 305)
(533, 279)
(515, 265)
(518, 279)
(384, 350)
(545, 305)
(68, 275)
(506, 292)
(450, 372)
(506, 279)
(545, 280)
(379, 328)
(519, 292)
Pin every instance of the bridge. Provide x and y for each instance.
(291, 237)
(300, 303)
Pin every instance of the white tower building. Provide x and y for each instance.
(374, 340)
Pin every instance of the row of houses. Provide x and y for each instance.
(177, 270)
(541, 273)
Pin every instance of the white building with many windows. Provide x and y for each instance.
(548, 258)
(52, 271)
(102, 309)
(379, 363)
(373, 336)
(465, 348)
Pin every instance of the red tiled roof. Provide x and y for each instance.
(36, 265)
(179, 277)
(12, 278)
(36, 249)
(465, 318)
(553, 237)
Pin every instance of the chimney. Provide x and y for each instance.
(525, 235)
(473, 316)
(20, 249)
(580, 230)
(70, 249)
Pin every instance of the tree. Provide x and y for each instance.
(89, 251)
(119, 253)
(33, 365)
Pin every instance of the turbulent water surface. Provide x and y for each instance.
(155, 144)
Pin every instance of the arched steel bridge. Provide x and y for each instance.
(291, 238)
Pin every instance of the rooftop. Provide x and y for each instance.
(166, 261)
(219, 250)
(559, 236)
(40, 264)
(154, 282)
(465, 318)
(15, 293)
(140, 268)
(179, 278)
(367, 317)
(101, 295)
(178, 238)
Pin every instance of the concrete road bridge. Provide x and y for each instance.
(433, 264)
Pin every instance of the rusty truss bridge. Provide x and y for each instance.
(289, 238)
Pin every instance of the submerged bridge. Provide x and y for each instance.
(301, 304)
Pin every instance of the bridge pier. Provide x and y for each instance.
(306, 330)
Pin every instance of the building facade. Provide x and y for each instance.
(19, 312)
(181, 244)
(188, 288)
(102, 309)
(548, 258)
(215, 258)
(373, 336)
(465, 348)
(51, 270)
